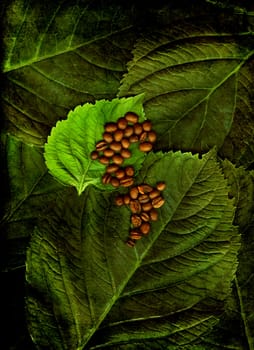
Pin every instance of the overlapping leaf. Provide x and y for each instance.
(87, 289)
(59, 55)
(69, 147)
(195, 81)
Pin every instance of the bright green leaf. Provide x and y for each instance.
(87, 289)
(71, 142)
(194, 83)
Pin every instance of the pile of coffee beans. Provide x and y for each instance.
(143, 200)
(113, 149)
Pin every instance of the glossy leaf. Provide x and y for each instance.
(87, 289)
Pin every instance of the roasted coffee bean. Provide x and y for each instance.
(144, 188)
(101, 145)
(129, 170)
(136, 220)
(154, 194)
(110, 127)
(161, 186)
(125, 153)
(104, 160)
(145, 228)
(133, 138)
(147, 125)
(112, 168)
(128, 131)
(119, 200)
(153, 215)
(115, 182)
(94, 155)
(131, 117)
(126, 199)
(158, 202)
(106, 178)
(117, 159)
(107, 136)
(125, 143)
(145, 146)
(137, 128)
(147, 206)
(120, 174)
(143, 198)
(118, 135)
(122, 123)
(127, 181)
(145, 217)
(130, 243)
(108, 153)
(115, 146)
(134, 193)
(135, 234)
(143, 136)
(135, 206)
(152, 136)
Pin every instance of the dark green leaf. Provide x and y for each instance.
(194, 79)
(87, 288)
(71, 142)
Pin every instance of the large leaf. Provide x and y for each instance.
(59, 55)
(71, 142)
(87, 289)
(195, 81)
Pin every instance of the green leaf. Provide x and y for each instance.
(60, 55)
(194, 80)
(71, 142)
(87, 289)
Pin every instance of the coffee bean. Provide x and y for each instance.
(106, 178)
(115, 182)
(151, 136)
(104, 160)
(134, 193)
(133, 138)
(136, 220)
(154, 193)
(126, 199)
(125, 153)
(147, 125)
(161, 186)
(119, 200)
(118, 135)
(110, 127)
(108, 153)
(115, 146)
(145, 217)
(94, 155)
(122, 123)
(130, 243)
(117, 159)
(143, 136)
(127, 181)
(101, 145)
(147, 206)
(144, 188)
(143, 198)
(120, 174)
(145, 228)
(137, 128)
(158, 202)
(107, 136)
(135, 206)
(145, 146)
(111, 168)
(125, 143)
(129, 170)
(153, 215)
(131, 117)
(135, 234)
(128, 131)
